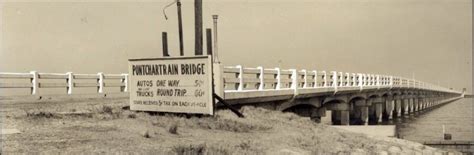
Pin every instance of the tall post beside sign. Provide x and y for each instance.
(180, 85)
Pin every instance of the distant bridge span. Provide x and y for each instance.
(352, 98)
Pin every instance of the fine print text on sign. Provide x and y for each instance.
(181, 85)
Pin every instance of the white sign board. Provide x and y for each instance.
(180, 84)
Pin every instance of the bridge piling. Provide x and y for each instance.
(405, 104)
(411, 103)
(398, 107)
(378, 105)
(389, 106)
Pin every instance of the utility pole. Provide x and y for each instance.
(180, 29)
(198, 26)
(180, 24)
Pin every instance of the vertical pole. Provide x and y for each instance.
(125, 83)
(70, 82)
(325, 79)
(198, 26)
(216, 56)
(334, 80)
(180, 29)
(316, 77)
(100, 82)
(164, 39)
(240, 77)
(305, 78)
(278, 77)
(294, 81)
(261, 76)
(209, 41)
(34, 82)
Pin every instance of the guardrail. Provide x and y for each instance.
(236, 79)
(70, 81)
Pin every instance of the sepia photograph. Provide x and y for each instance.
(236, 77)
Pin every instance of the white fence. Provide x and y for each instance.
(235, 79)
(70, 81)
(238, 78)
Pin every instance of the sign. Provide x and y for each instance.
(180, 84)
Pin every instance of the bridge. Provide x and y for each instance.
(352, 98)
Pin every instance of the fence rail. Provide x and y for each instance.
(235, 79)
(238, 78)
(70, 81)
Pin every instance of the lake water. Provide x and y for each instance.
(456, 116)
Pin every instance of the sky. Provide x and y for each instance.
(430, 40)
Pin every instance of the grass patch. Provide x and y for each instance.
(229, 125)
(40, 114)
(199, 149)
(107, 112)
(173, 129)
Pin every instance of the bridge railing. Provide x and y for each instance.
(68, 80)
(235, 79)
(278, 79)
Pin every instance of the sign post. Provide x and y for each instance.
(179, 85)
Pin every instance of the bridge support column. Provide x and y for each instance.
(398, 107)
(318, 113)
(422, 101)
(415, 104)
(411, 106)
(425, 103)
(389, 106)
(378, 107)
(431, 102)
(364, 114)
(422, 104)
(405, 106)
(340, 113)
(363, 110)
(345, 117)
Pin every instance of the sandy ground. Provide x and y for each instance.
(104, 126)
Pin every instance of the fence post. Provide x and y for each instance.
(219, 79)
(70, 82)
(294, 81)
(325, 79)
(278, 77)
(34, 82)
(334, 80)
(377, 81)
(340, 77)
(391, 82)
(261, 77)
(305, 78)
(315, 79)
(100, 81)
(240, 77)
(124, 80)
